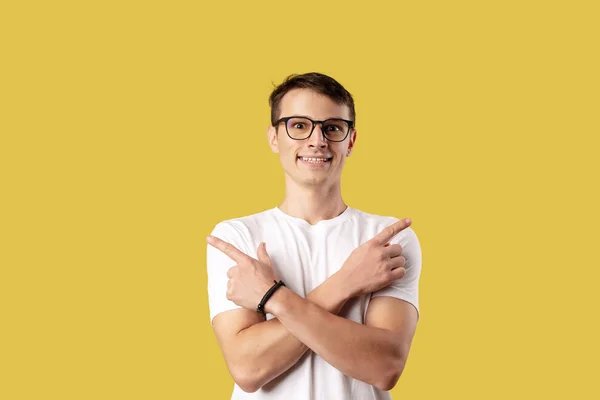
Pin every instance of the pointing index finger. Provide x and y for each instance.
(388, 233)
(227, 248)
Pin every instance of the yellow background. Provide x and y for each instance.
(129, 129)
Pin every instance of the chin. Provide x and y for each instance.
(315, 180)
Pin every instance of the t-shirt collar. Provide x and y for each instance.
(323, 223)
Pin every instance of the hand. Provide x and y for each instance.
(250, 279)
(376, 263)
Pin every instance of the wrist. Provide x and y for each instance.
(267, 296)
(341, 284)
(277, 301)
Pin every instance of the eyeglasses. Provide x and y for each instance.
(299, 128)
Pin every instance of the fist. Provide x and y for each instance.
(250, 278)
(376, 263)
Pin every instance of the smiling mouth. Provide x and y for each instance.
(315, 160)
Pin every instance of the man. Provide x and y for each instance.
(341, 325)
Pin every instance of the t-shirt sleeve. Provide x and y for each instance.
(217, 265)
(406, 288)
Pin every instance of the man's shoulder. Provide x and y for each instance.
(241, 230)
(377, 218)
(246, 221)
(379, 222)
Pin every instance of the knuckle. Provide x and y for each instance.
(384, 265)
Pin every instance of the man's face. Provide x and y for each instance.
(292, 153)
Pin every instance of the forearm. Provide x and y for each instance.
(366, 353)
(268, 349)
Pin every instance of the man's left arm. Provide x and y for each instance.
(375, 352)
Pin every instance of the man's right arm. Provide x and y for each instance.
(257, 351)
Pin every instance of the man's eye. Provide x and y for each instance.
(332, 128)
(298, 126)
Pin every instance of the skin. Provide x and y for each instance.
(257, 351)
(311, 194)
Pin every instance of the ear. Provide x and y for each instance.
(272, 138)
(351, 142)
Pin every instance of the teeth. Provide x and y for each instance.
(314, 160)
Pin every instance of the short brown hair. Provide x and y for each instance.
(315, 81)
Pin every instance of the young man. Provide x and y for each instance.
(341, 325)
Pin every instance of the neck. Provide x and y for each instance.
(313, 204)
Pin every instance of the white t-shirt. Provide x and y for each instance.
(304, 256)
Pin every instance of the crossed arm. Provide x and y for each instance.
(257, 351)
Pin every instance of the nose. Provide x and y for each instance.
(317, 139)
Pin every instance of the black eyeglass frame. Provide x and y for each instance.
(314, 123)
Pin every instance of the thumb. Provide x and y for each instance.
(398, 273)
(263, 256)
